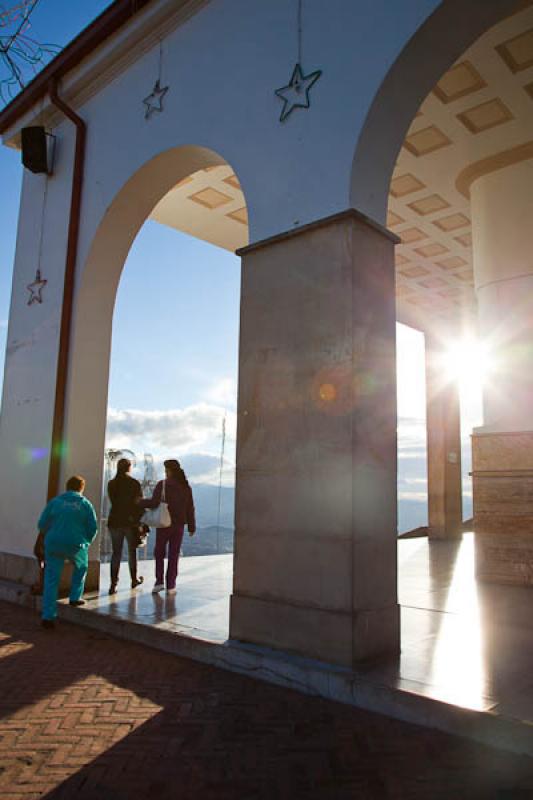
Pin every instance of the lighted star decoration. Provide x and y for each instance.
(36, 289)
(296, 93)
(154, 101)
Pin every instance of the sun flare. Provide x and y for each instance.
(467, 361)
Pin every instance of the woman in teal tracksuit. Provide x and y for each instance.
(68, 524)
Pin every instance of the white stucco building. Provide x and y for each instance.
(402, 192)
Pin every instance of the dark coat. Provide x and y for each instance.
(178, 496)
(124, 492)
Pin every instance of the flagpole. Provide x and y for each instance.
(220, 478)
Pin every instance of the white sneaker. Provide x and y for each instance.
(171, 591)
(158, 588)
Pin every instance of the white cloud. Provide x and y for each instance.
(200, 463)
(181, 429)
(224, 393)
(405, 452)
(192, 434)
(412, 496)
(205, 468)
(411, 438)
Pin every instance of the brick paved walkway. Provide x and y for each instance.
(86, 716)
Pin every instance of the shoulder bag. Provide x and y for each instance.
(158, 517)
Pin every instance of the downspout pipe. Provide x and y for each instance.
(58, 426)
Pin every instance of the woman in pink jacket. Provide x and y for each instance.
(178, 496)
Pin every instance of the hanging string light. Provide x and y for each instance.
(36, 287)
(21, 55)
(296, 93)
(154, 101)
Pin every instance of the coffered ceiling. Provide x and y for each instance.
(209, 205)
(479, 117)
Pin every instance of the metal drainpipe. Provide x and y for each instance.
(58, 427)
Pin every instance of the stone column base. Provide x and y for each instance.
(505, 560)
(19, 569)
(24, 569)
(503, 507)
(335, 637)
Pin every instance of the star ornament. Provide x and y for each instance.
(154, 101)
(36, 289)
(296, 94)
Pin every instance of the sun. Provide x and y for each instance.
(467, 361)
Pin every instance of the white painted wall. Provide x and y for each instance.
(31, 357)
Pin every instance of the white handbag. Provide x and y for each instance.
(158, 517)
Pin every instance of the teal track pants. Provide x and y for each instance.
(53, 567)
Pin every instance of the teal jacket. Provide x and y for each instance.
(68, 522)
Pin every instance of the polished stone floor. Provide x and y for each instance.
(462, 643)
(200, 607)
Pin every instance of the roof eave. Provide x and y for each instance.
(104, 26)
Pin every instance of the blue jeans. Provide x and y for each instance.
(53, 567)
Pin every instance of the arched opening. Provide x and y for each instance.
(438, 44)
(174, 227)
(444, 158)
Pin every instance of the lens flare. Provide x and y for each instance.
(467, 361)
(29, 455)
(327, 392)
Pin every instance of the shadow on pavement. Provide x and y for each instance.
(103, 719)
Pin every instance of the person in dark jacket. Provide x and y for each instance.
(123, 521)
(178, 496)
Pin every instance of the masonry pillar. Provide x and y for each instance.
(502, 213)
(315, 542)
(443, 421)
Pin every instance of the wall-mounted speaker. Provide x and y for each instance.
(37, 149)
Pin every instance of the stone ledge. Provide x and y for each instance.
(19, 594)
(502, 473)
(341, 216)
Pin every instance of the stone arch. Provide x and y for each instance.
(448, 32)
(98, 280)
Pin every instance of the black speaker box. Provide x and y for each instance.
(35, 149)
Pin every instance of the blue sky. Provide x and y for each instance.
(55, 21)
(174, 352)
(175, 338)
(192, 301)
